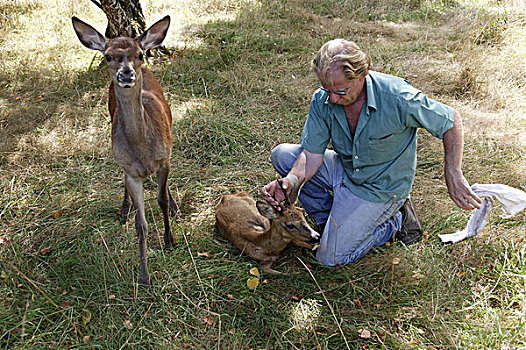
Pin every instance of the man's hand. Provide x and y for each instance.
(273, 192)
(460, 192)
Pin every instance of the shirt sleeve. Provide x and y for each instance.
(316, 135)
(423, 112)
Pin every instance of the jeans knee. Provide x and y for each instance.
(329, 259)
(284, 156)
(275, 154)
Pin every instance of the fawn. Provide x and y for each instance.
(259, 230)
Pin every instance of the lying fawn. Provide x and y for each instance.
(259, 230)
(141, 124)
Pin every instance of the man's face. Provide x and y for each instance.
(339, 83)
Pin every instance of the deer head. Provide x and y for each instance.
(291, 220)
(124, 55)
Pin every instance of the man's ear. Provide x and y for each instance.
(266, 210)
(89, 36)
(154, 35)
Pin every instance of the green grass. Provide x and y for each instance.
(238, 83)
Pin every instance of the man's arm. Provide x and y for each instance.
(305, 167)
(458, 187)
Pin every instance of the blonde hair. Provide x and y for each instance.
(340, 54)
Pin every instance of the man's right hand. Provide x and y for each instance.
(273, 192)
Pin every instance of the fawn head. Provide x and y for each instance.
(124, 55)
(290, 220)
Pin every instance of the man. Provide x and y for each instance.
(371, 120)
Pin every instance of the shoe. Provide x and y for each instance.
(411, 230)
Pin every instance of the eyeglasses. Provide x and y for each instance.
(340, 93)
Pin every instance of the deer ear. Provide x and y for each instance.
(154, 35)
(293, 197)
(266, 210)
(89, 36)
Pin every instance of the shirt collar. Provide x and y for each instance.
(371, 97)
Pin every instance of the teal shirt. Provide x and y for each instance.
(380, 161)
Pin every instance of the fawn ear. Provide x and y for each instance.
(89, 36)
(266, 210)
(293, 196)
(154, 35)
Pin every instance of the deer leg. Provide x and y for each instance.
(163, 199)
(135, 188)
(266, 266)
(126, 206)
(174, 208)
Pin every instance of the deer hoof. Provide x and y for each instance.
(266, 268)
(144, 282)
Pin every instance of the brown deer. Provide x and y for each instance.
(141, 124)
(259, 230)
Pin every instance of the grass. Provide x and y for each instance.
(238, 84)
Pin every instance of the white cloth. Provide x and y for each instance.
(513, 201)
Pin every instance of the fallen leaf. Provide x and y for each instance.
(128, 324)
(418, 276)
(230, 296)
(56, 213)
(254, 271)
(252, 283)
(396, 261)
(364, 333)
(208, 320)
(86, 316)
(66, 303)
(204, 254)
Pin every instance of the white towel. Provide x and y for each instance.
(513, 201)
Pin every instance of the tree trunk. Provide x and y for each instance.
(125, 17)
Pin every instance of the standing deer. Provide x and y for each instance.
(141, 124)
(259, 230)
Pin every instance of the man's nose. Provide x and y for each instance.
(334, 97)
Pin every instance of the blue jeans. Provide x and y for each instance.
(353, 226)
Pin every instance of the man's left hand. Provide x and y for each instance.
(460, 192)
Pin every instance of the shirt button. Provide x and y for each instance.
(355, 157)
(357, 170)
